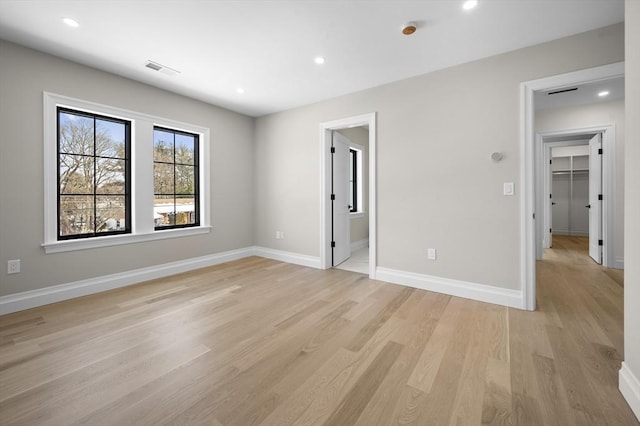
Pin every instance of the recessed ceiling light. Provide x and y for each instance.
(320, 60)
(603, 93)
(469, 4)
(240, 90)
(71, 22)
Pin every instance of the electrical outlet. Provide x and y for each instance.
(13, 266)
(279, 235)
(431, 254)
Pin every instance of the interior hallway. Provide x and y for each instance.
(572, 344)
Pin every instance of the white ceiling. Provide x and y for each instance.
(586, 94)
(268, 47)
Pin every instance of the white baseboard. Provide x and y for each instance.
(619, 263)
(357, 245)
(58, 293)
(480, 292)
(31, 299)
(34, 298)
(289, 257)
(629, 386)
(567, 233)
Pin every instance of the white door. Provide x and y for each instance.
(341, 235)
(595, 198)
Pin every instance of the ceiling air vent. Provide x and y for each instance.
(161, 68)
(557, 92)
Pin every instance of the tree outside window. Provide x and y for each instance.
(175, 179)
(93, 175)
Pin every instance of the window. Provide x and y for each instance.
(175, 179)
(353, 180)
(94, 185)
(356, 180)
(108, 179)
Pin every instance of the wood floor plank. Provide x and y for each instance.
(428, 365)
(439, 407)
(320, 386)
(389, 309)
(424, 316)
(319, 411)
(352, 405)
(496, 404)
(469, 398)
(408, 406)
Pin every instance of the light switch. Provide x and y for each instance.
(431, 254)
(508, 188)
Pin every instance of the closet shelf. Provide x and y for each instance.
(567, 172)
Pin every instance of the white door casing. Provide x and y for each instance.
(341, 209)
(326, 128)
(595, 198)
(528, 174)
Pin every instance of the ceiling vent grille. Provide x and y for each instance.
(161, 68)
(557, 92)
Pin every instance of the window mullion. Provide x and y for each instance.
(95, 182)
(175, 204)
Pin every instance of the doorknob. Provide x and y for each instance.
(553, 203)
(588, 206)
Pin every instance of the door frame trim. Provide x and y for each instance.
(325, 186)
(527, 165)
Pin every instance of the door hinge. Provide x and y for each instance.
(550, 161)
(600, 151)
(534, 216)
(600, 197)
(600, 243)
(333, 149)
(550, 196)
(333, 244)
(550, 230)
(333, 197)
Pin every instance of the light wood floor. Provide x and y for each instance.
(262, 342)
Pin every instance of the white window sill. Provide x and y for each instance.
(357, 215)
(115, 240)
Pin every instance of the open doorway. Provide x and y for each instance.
(533, 176)
(573, 194)
(348, 205)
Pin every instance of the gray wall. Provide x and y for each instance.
(360, 226)
(601, 113)
(436, 184)
(24, 75)
(632, 194)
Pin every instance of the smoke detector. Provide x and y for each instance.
(162, 68)
(409, 28)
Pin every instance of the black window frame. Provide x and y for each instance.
(127, 174)
(196, 180)
(353, 180)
